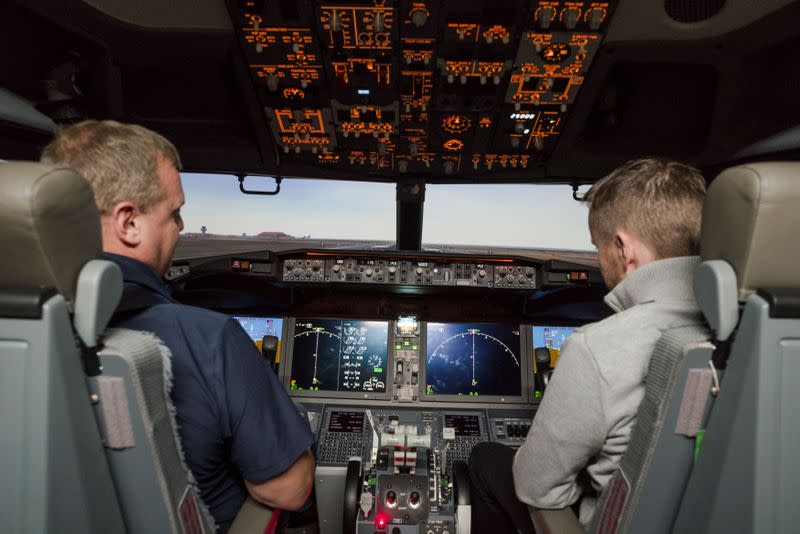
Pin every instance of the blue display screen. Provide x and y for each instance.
(472, 359)
(258, 327)
(552, 337)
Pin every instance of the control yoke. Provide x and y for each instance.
(269, 349)
(543, 369)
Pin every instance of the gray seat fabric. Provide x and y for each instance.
(149, 471)
(54, 478)
(747, 476)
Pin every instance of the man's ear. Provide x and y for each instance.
(124, 223)
(626, 250)
(632, 252)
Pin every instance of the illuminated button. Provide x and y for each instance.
(391, 499)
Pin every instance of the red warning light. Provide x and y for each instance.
(380, 521)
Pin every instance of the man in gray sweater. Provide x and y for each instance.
(644, 219)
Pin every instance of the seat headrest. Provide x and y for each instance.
(751, 218)
(49, 226)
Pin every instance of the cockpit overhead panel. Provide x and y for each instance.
(424, 88)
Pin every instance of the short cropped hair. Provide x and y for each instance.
(659, 200)
(118, 160)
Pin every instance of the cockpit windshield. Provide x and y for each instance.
(498, 215)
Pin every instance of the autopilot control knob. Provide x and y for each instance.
(337, 268)
(482, 273)
(392, 269)
(419, 17)
(419, 270)
(272, 82)
(368, 272)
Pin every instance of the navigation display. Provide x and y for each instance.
(350, 422)
(472, 359)
(552, 337)
(339, 355)
(464, 425)
(258, 327)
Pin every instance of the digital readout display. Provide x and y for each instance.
(349, 422)
(464, 425)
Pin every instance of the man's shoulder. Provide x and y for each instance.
(186, 316)
(622, 343)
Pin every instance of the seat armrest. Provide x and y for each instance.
(561, 521)
(252, 517)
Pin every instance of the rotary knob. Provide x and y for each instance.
(482, 273)
(337, 268)
(419, 17)
(392, 269)
(368, 272)
(419, 270)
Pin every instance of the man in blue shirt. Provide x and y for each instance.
(239, 430)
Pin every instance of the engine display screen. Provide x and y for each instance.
(464, 425)
(349, 422)
(339, 355)
(473, 359)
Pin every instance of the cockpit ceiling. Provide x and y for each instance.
(461, 91)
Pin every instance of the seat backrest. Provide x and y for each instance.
(747, 475)
(646, 489)
(156, 489)
(54, 477)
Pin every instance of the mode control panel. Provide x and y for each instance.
(412, 272)
(515, 277)
(304, 270)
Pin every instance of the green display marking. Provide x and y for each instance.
(414, 347)
(398, 347)
(537, 394)
(406, 343)
(378, 369)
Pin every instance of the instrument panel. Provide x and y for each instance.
(421, 88)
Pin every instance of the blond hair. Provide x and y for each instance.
(659, 200)
(118, 160)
